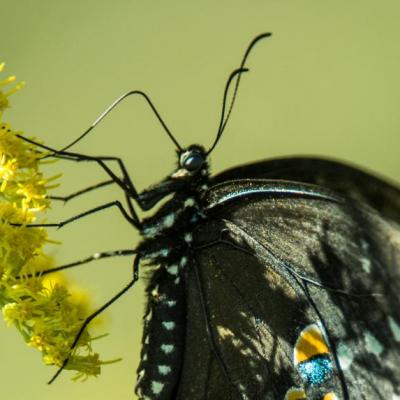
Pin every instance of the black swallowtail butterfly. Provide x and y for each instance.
(273, 280)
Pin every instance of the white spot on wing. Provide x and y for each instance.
(372, 344)
(395, 328)
(345, 356)
(366, 265)
(171, 303)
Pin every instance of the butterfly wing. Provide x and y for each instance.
(350, 181)
(228, 343)
(281, 300)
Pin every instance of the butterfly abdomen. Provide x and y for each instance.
(166, 246)
(163, 334)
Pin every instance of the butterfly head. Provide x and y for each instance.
(192, 162)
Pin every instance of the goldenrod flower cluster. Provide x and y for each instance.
(45, 314)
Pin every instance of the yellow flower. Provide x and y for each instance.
(7, 170)
(45, 314)
(4, 103)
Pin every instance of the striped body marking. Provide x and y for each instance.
(166, 247)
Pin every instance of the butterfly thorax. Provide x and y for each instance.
(167, 233)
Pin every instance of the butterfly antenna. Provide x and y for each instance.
(238, 71)
(113, 105)
(224, 119)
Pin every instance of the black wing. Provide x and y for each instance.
(350, 181)
(276, 264)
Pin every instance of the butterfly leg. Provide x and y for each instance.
(146, 199)
(93, 257)
(125, 183)
(84, 214)
(88, 189)
(96, 313)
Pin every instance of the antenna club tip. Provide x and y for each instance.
(261, 36)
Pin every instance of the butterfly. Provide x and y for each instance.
(273, 280)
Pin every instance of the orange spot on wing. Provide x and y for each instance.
(330, 396)
(296, 394)
(310, 343)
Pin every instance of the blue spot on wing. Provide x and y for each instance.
(316, 370)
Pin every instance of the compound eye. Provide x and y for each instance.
(192, 161)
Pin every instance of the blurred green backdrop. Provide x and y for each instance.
(326, 83)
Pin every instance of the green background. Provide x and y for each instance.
(326, 83)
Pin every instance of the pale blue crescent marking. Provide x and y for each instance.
(316, 370)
